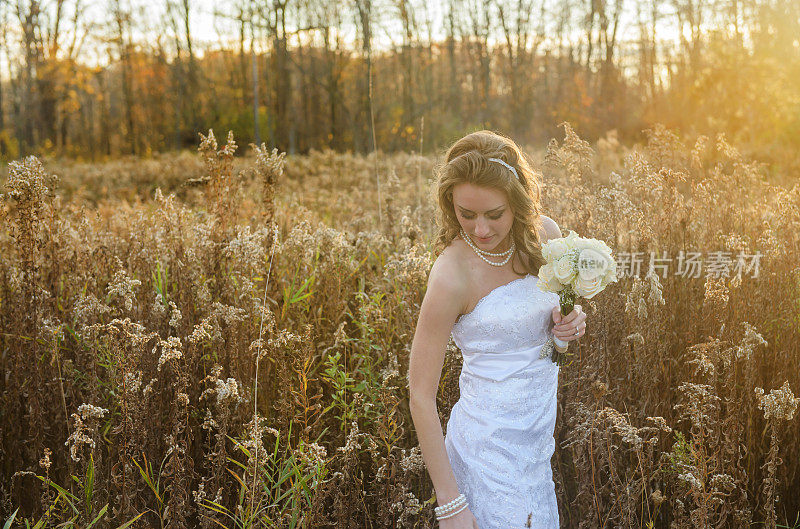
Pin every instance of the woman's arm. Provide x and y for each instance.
(441, 306)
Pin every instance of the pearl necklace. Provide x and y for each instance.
(484, 252)
(509, 252)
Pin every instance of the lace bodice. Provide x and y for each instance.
(507, 328)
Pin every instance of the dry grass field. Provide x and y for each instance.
(150, 379)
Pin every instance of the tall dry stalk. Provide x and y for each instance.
(661, 425)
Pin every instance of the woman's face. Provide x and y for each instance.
(485, 215)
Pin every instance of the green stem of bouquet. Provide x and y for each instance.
(566, 300)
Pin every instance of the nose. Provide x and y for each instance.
(481, 228)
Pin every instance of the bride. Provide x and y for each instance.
(492, 468)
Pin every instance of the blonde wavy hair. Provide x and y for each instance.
(467, 161)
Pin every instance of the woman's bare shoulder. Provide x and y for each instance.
(550, 229)
(449, 275)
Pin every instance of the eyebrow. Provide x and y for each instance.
(470, 211)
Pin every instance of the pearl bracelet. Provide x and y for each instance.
(450, 505)
(443, 509)
(464, 506)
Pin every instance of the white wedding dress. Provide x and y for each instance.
(500, 432)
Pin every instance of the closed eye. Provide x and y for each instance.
(493, 217)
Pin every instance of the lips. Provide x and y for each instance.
(487, 239)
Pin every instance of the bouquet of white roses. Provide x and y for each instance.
(575, 267)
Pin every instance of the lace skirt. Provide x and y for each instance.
(500, 441)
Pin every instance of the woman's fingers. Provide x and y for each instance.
(571, 323)
(570, 331)
(569, 337)
(569, 318)
(569, 327)
(576, 313)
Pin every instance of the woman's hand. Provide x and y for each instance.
(463, 520)
(566, 326)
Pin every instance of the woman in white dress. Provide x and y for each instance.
(492, 469)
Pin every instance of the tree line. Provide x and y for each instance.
(133, 78)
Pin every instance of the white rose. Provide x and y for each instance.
(591, 244)
(554, 249)
(606, 251)
(564, 269)
(587, 288)
(547, 279)
(572, 240)
(592, 263)
(611, 274)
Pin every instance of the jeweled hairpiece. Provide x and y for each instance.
(504, 163)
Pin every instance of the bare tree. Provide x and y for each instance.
(272, 18)
(426, 69)
(3, 46)
(647, 22)
(255, 77)
(326, 20)
(364, 21)
(516, 20)
(244, 72)
(121, 39)
(406, 14)
(477, 45)
(690, 16)
(454, 86)
(32, 56)
(186, 72)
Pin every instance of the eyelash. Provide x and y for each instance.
(470, 218)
